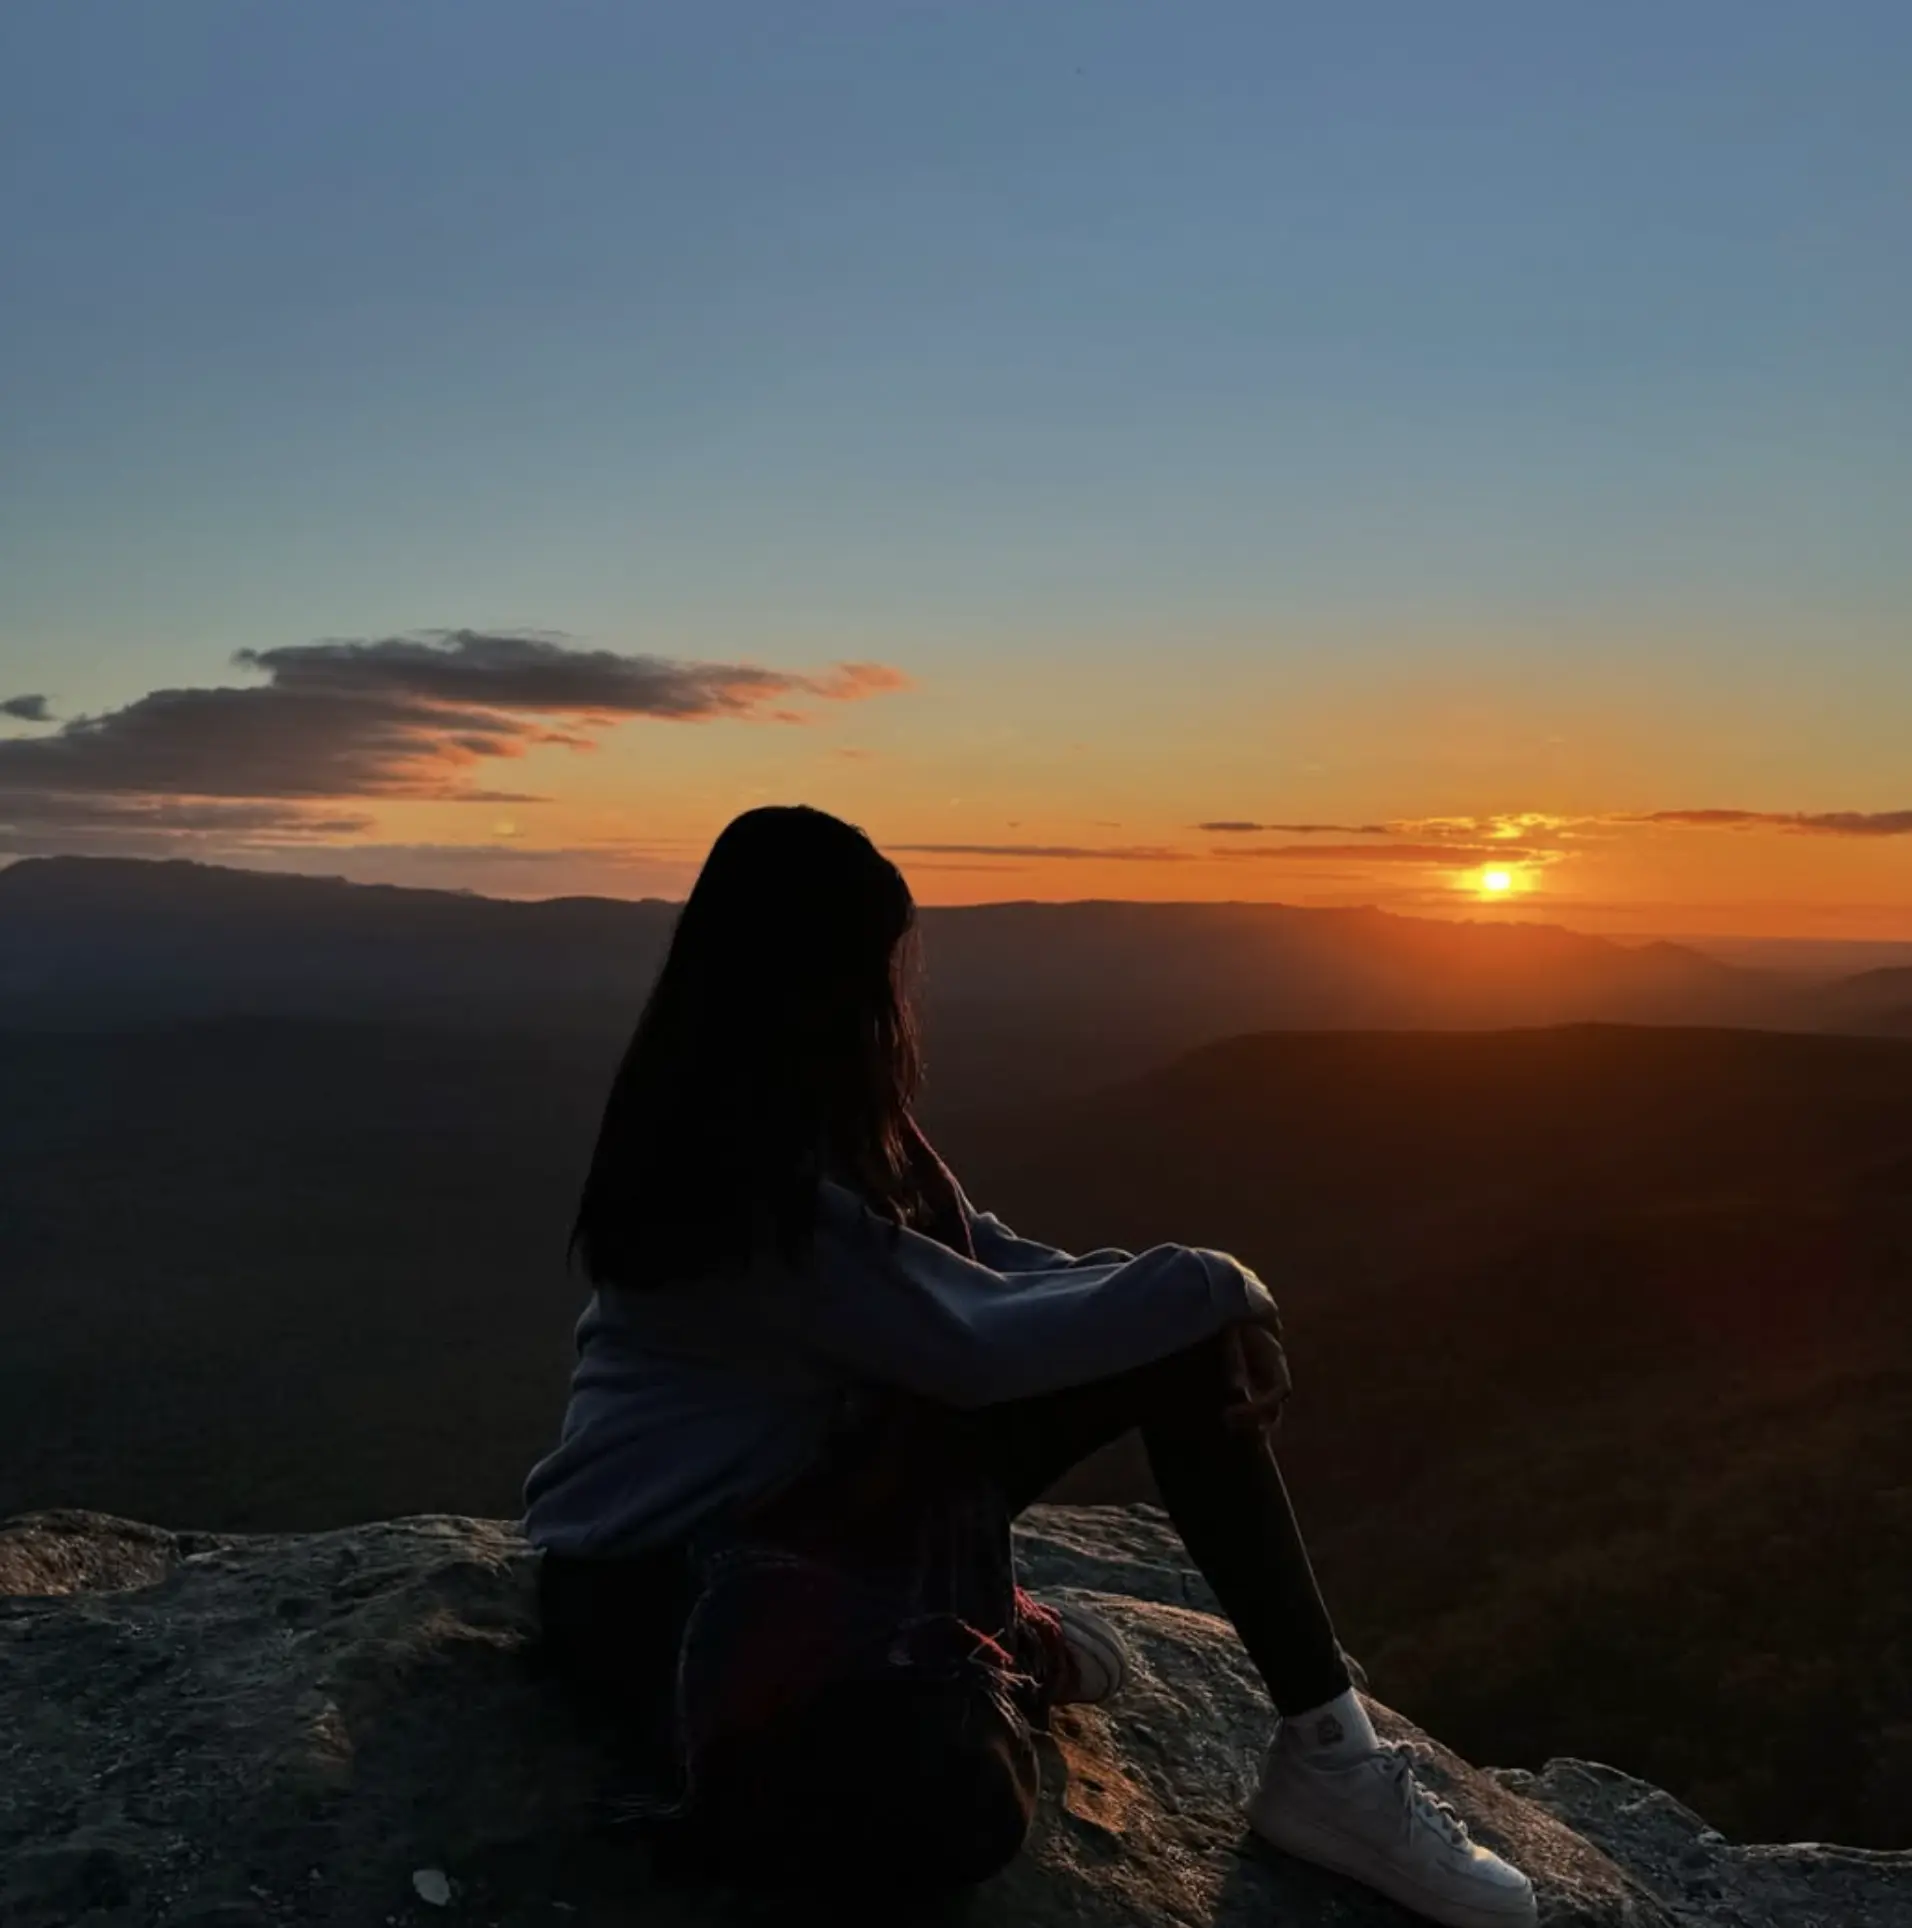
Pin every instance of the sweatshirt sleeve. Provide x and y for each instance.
(1002, 1250)
(901, 1309)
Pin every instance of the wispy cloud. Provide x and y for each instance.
(401, 717)
(1112, 853)
(27, 709)
(1499, 826)
(230, 816)
(1541, 830)
(1818, 823)
(211, 828)
(547, 676)
(1449, 854)
(611, 868)
(1503, 826)
(1236, 824)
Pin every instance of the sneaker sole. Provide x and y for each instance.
(1344, 1855)
(1090, 1636)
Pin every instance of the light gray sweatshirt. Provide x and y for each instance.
(687, 1398)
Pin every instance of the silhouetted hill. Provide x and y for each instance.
(1603, 1335)
(1112, 988)
(1603, 1341)
(1045, 997)
(94, 940)
(1356, 1160)
(1876, 1001)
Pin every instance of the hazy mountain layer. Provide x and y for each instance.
(1040, 998)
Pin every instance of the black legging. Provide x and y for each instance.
(1222, 1488)
(613, 1621)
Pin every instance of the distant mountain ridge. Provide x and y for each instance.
(1875, 1001)
(1051, 997)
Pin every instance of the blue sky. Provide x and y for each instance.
(1029, 348)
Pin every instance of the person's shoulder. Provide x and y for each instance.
(852, 1234)
(843, 1212)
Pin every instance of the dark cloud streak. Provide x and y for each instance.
(196, 814)
(404, 717)
(535, 674)
(1395, 853)
(1119, 853)
(1818, 823)
(1238, 825)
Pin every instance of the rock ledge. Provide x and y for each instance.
(237, 1731)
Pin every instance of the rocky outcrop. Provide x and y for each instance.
(349, 1728)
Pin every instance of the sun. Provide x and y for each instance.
(1496, 883)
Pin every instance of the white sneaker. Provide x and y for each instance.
(1369, 1818)
(1098, 1663)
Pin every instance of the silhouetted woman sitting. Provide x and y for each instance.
(813, 1387)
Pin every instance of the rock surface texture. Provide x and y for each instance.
(350, 1729)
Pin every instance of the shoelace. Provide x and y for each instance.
(1041, 1626)
(1419, 1802)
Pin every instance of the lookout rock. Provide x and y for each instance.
(348, 1729)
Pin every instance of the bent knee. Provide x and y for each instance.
(1198, 1378)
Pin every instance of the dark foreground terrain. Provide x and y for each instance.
(1603, 1337)
(320, 1731)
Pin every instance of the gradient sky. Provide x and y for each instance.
(1485, 429)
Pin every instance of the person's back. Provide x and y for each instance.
(814, 1385)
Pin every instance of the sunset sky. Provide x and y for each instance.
(1325, 454)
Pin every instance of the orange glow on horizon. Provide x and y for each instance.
(1054, 832)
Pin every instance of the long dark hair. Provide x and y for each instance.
(777, 1048)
